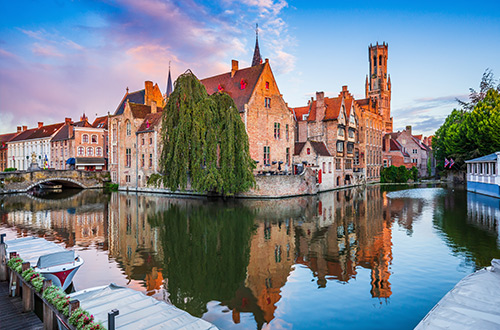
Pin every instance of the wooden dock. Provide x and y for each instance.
(11, 312)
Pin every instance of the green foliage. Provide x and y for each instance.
(57, 297)
(83, 320)
(14, 262)
(14, 179)
(471, 132)
(204, 142)
(393, 174)
(10, 169)
(110, 187)
(207, 250)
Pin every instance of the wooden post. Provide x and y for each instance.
(3, 259)
(49, 318)
(28, 293)
(73, 305)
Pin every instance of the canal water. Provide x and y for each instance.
(365, 258)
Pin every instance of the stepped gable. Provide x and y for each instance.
(233, 85)
(134, 97)
(151, 121)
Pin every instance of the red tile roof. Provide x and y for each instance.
(65, 133)
(333, 106)
(320, 148)
(140, 110)
(300, 112)
(101, 122)
(46, 131)
(151, 121)
(4, 138)
(247, 77)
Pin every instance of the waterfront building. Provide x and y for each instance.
(4, 138)
(268, 121)
(412, 146)
(483, 175)
(315, 154)
(395, 154)
(335, 123)
(80, 146)
(32, 144)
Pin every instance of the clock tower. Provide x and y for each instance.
(378, 83)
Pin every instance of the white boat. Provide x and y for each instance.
(51, 260)
(50, 186)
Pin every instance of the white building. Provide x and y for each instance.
(34, 141)
(483, 175)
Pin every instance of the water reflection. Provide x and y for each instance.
(232, 262)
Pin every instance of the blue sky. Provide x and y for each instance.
(62, 58)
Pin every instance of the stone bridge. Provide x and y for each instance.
(22, 181)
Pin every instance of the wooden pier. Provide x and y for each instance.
(11, 312)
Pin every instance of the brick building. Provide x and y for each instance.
(395, 154)
(315, 154)
(269, 123)
(79, 145)
(4, 138)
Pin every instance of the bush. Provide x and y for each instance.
(393, 174)
(10, 169)
(109, 187)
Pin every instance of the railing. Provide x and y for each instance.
(18, 286)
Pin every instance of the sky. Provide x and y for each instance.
(64, 58)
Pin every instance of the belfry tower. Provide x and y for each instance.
(378, 84)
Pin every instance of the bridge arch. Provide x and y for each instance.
(64, 181)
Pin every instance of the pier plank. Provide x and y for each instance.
(11, 312)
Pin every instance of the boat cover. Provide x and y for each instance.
(474, 303)
(32, 248)
(136, 310)
(56, 258)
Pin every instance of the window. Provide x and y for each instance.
(127, 178)
(113, 135)
(150, 160)
(385, 162)
(267, 155)
(90, 151)
(351, 133)
(114, 159)
(287, 156)
(338, 164)
(81, 151)
(350, 147)
(62, 152)
(129, 128)
(267, 84)
(128, 157)
(341, 132)
(85, 138)
(487, 168)
(493, 168)
(286, 131)
(267, 102)
(113, 176)
(142, 141)
(150, 140)
(380, 60)
(324, 167)
(414, 151)
(356, 157)
(329, 167)
(277, 131)
(142, 160)
(340, 146)
(94, 138)
(308, 151)
(348, 164)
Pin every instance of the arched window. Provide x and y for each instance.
(98, 151)
(129, 128)
(380, 60)
(90, 151)
(85, 138)
(94, 138)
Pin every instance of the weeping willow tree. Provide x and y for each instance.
(204, 141)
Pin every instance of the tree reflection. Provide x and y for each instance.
(206, 253)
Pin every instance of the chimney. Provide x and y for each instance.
(267, 60)
(234, 67)
(67, 120)
(19, 129)
(320, 106)
(387, 142)
(153, 107)
(344, 88)
(40, 124)
(25, 128)
(148, 92)
(408, 129)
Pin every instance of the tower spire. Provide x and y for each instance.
(257, 59)
(169, 82)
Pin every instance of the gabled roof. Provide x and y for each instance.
(140, 110)
(319, 148)
(101, 122)
(4, 138)
(65, 133)
(24, 135)
(82, 123)
(134, 97)
(151, 121)
(233, 85)
(300, 112)
(488, 158)
(332, 108)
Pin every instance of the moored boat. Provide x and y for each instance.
(50, 186)
(51, 260)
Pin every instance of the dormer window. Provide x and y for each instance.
(147, 124)
(267, 84)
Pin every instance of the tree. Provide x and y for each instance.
(487, 82)
(204, 141)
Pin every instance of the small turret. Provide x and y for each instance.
(257, 59)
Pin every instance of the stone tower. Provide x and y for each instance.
(378, 83)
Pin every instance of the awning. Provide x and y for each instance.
(70, 161)
(90, 161)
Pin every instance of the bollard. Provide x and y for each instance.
(28, 293)
(111, 318)
(73, 305)
(3, 259)
(49, 318)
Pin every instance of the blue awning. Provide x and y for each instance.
(70, 161)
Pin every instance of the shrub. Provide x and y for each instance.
(10, 169)
(109, 187)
